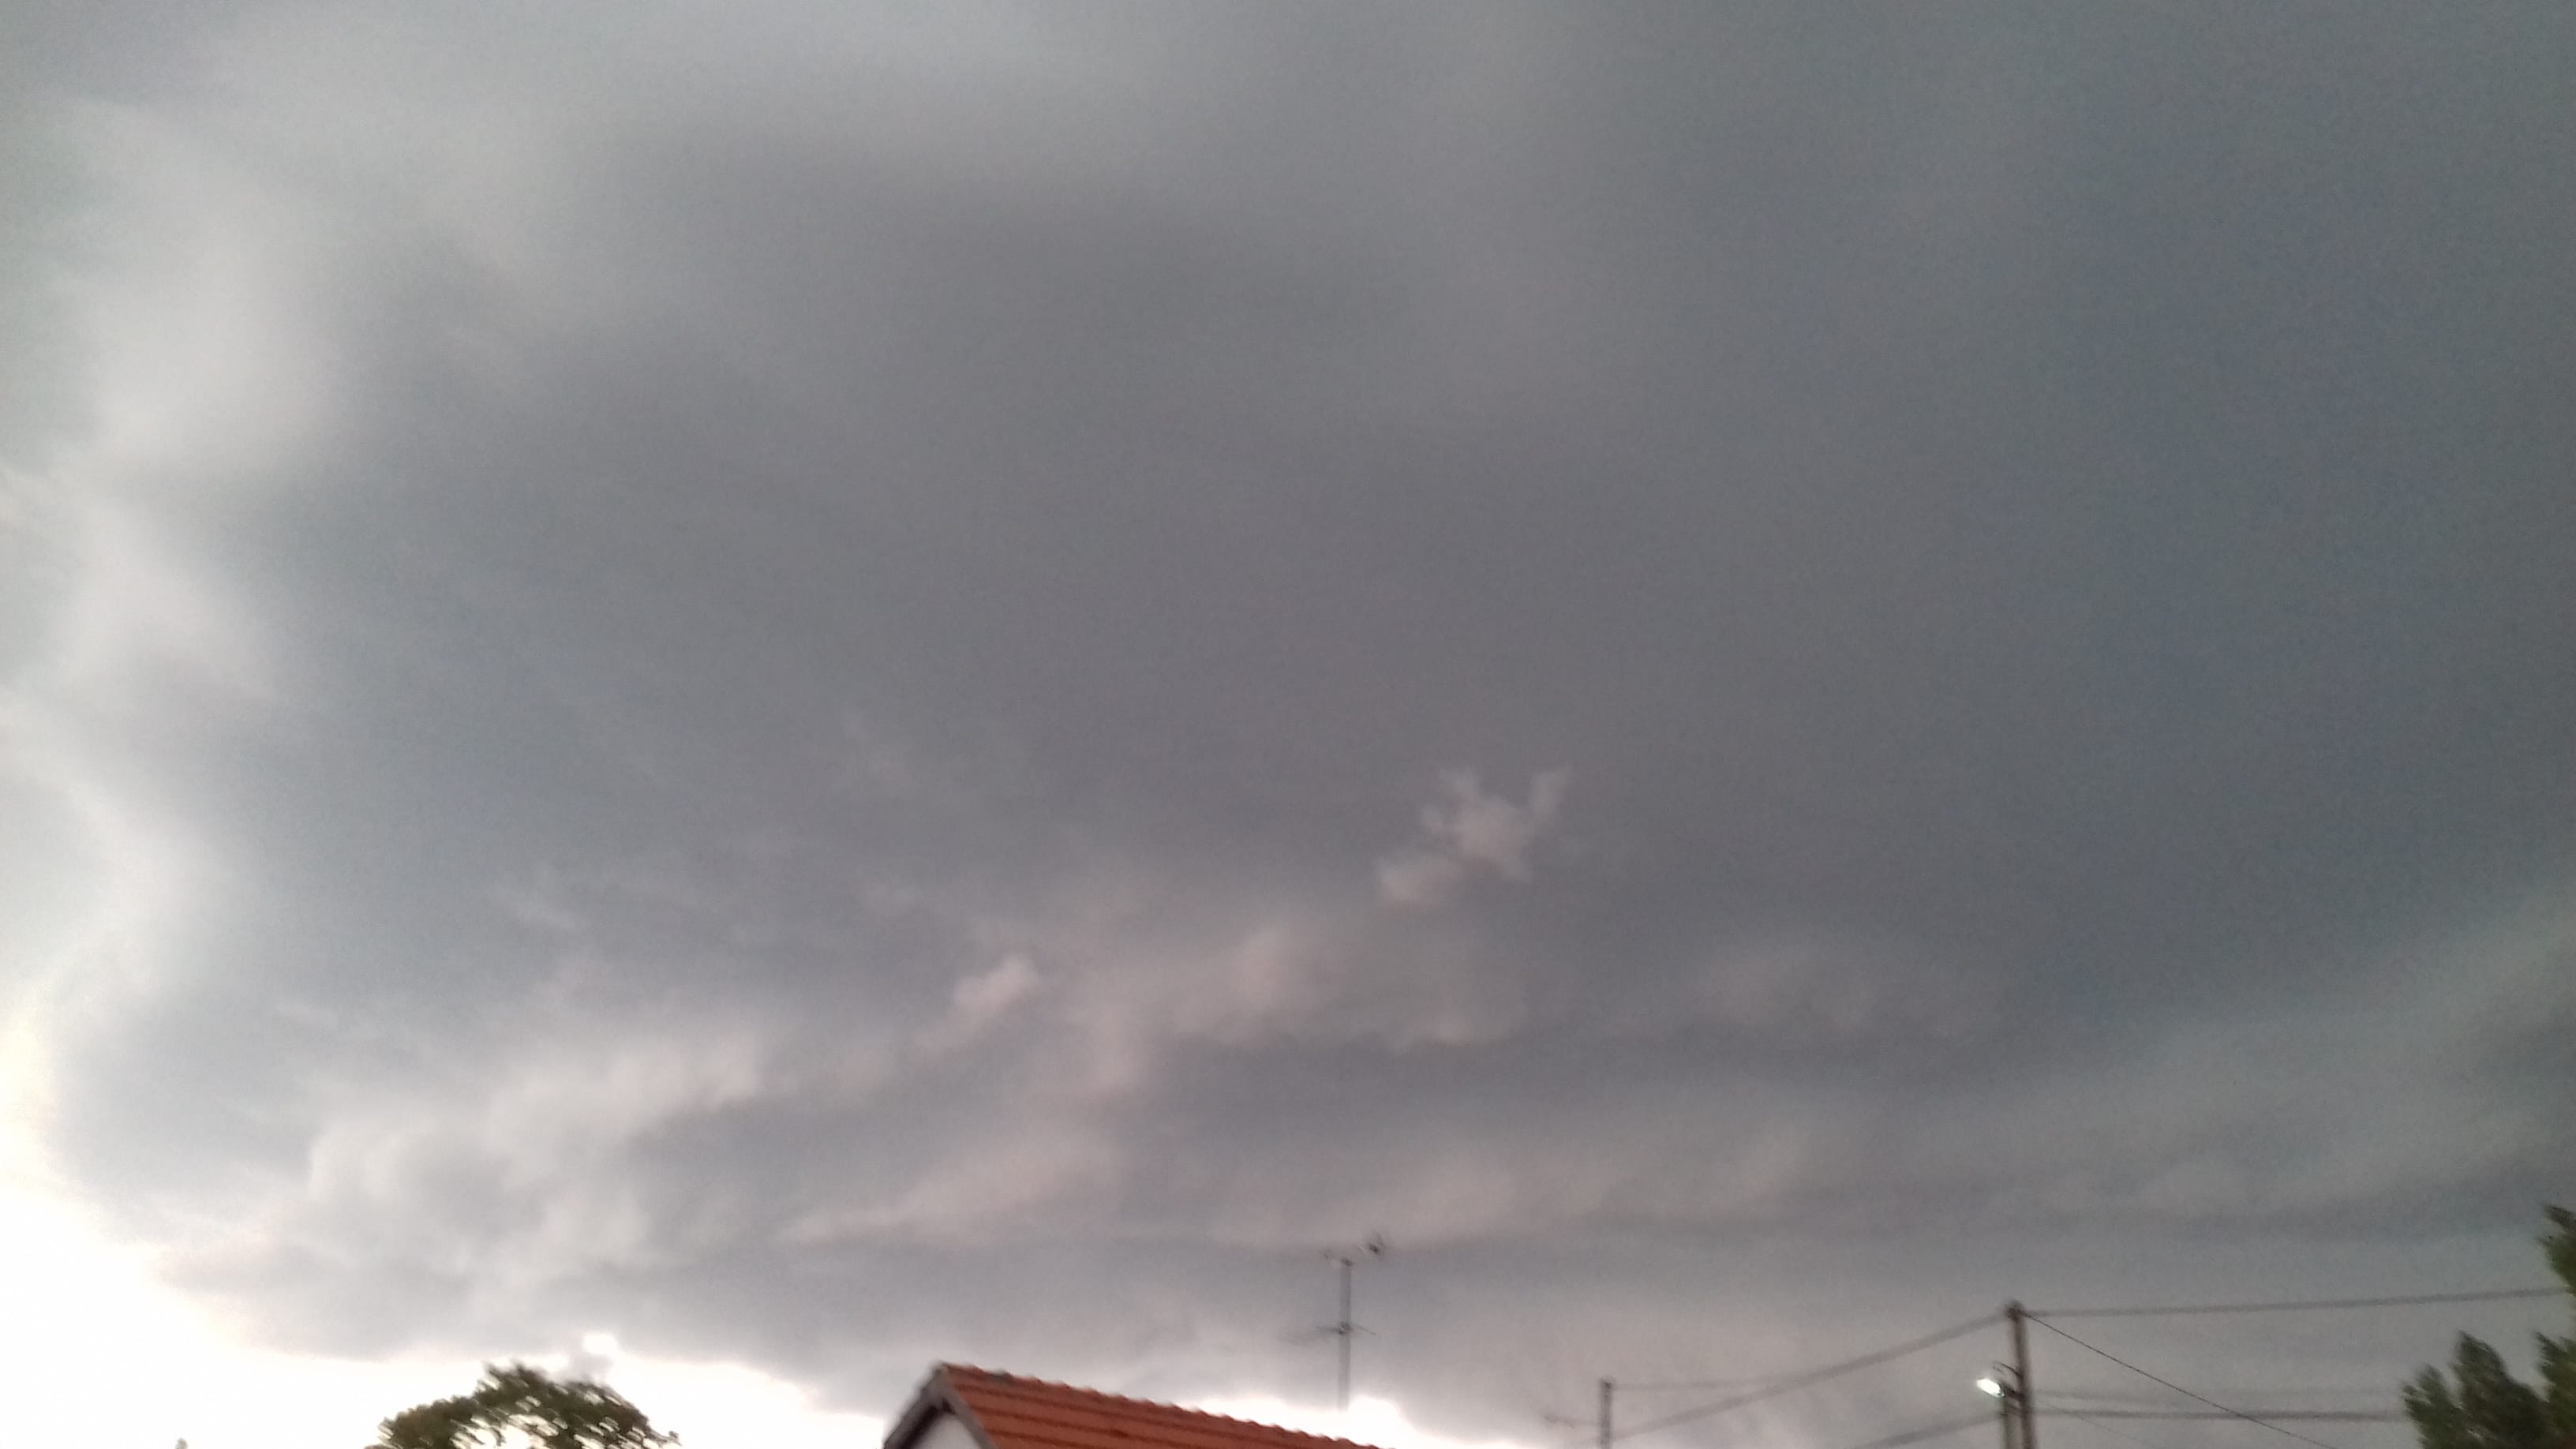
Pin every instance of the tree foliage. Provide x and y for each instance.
(515, 1403)
(2480, 1404)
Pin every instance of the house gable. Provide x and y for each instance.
(959, 1407)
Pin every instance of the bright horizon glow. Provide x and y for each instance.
(105, 1357)
(102, 1355)
(1375, 1421)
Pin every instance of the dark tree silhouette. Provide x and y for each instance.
(545, 1411)
(2481, 1405)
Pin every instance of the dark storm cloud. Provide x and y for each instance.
(719, 675)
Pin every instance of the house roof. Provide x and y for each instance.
(1010, 1412)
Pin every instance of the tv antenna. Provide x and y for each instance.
(1343, 1328)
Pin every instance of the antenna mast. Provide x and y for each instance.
(1342, 1327)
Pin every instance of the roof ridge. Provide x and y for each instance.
(1007, 1377)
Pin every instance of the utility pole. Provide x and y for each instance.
(2021, 1395)
(1601, 1439)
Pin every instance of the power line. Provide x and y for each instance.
(2114, 1433)
(2179, 1389)
(1662, 1385)
(1812, 1376)
(2306, 1305)
(1917, 1436)
(2326, 1416)
(2292, 1401)
(2070, 1398)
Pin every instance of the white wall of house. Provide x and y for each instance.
(944, 1431)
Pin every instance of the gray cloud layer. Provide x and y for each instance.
(845, 683)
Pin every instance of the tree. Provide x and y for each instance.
(2481, 1405)
(517, 1403)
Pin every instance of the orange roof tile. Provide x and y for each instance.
(1021, 1413)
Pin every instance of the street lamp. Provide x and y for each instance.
(2004, 1387)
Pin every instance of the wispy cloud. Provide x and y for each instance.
(1470, 829)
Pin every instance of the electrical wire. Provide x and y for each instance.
(1803, 1380)
(2114, 1433)
(2306, 1305)
(1669, 1385)
(1917, 1436)
(1767, 1387)
(2325, 1416)
(2090, 1398)
(2179, 1389)
(2374, 1406)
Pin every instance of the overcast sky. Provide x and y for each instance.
(827, 685)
